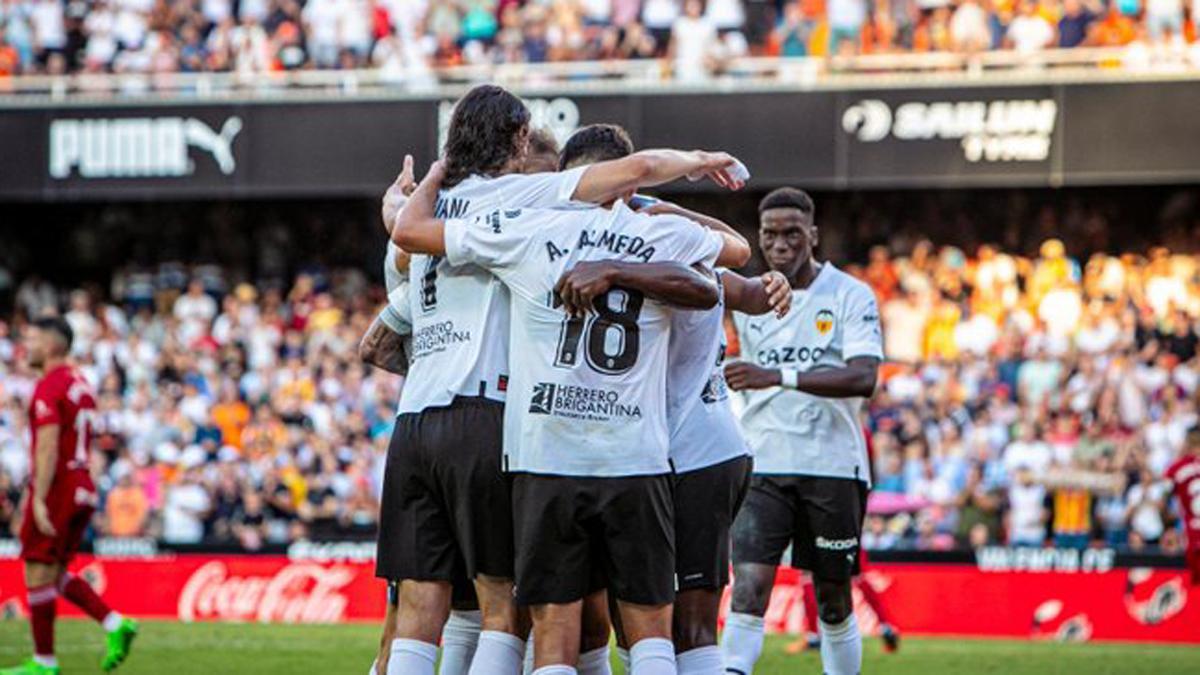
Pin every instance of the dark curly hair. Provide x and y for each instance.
(595, 143)
(489, 128)
(788, 198)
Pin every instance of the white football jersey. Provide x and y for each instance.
(703, 428)
(460, 312)
(397, 315)
(587, 395)
(832, 321)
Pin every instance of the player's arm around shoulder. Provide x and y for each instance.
(768, 292)
(735, 249)
(672, 283)
(417, 229)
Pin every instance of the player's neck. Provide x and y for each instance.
(52, 363)
(807, 273)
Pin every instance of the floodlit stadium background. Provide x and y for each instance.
(1016, 180)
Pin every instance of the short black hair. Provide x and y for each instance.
(58, 326)
(788, 198)
(485, 133)
(595, 143)
(542, 142)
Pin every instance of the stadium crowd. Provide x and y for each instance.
(405, 39)
(1026, 401)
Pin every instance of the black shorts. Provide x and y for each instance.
(820, 517)
(446, 512)
(571, 531)
(706, 501)
(462, 594)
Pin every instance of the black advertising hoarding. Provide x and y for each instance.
(1148, 132)
(1036, 136)
(949, 137)
(782, 137)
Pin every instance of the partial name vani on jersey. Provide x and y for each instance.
(791, 432)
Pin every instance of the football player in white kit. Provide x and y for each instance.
(445, 497)
(386, 345)
(708, 454)
(586, 435)
(806, 377)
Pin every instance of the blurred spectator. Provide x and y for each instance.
(693, 42)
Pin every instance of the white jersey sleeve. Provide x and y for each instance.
(861, 334)
(499, 239)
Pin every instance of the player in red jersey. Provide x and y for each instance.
(59, 502)
(1184, 474)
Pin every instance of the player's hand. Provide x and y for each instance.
(741, 376)
(583, 282)
(779, 292)
(41, 518)
(398, 192)
(717, 167)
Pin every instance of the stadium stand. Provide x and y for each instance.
(418, 42)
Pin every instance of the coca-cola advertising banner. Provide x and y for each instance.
(1013, 135)
(264, 589)
(1046, 596)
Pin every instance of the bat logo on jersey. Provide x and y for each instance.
(824, 321)
(581, 403)
(543, 398)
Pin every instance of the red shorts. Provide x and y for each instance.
(71, 512)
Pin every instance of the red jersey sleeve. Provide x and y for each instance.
(45, 408)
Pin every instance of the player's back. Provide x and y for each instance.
(64, 398)
(588, 392)
(460, 313)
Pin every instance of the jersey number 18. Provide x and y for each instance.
(604, 326)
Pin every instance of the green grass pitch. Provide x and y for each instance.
(233, 649)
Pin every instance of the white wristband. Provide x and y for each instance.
(789, 378)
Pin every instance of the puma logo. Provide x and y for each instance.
(219, 145)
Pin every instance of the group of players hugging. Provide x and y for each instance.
(565, 463)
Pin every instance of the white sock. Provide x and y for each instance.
(411, 657)
(50, 661)
(841, 647)
(652, 656)
(555, 670)
(623, 657)
(528, 670)
(700, 661)
(595, 662)
(498, 654)
(459, 637)
(111, 622)
(742, 642)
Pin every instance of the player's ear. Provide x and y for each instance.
(814, 235)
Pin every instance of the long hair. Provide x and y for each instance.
(489, 128)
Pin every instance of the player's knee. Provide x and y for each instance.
(751, 590)
(834, 602)
(427, 599)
